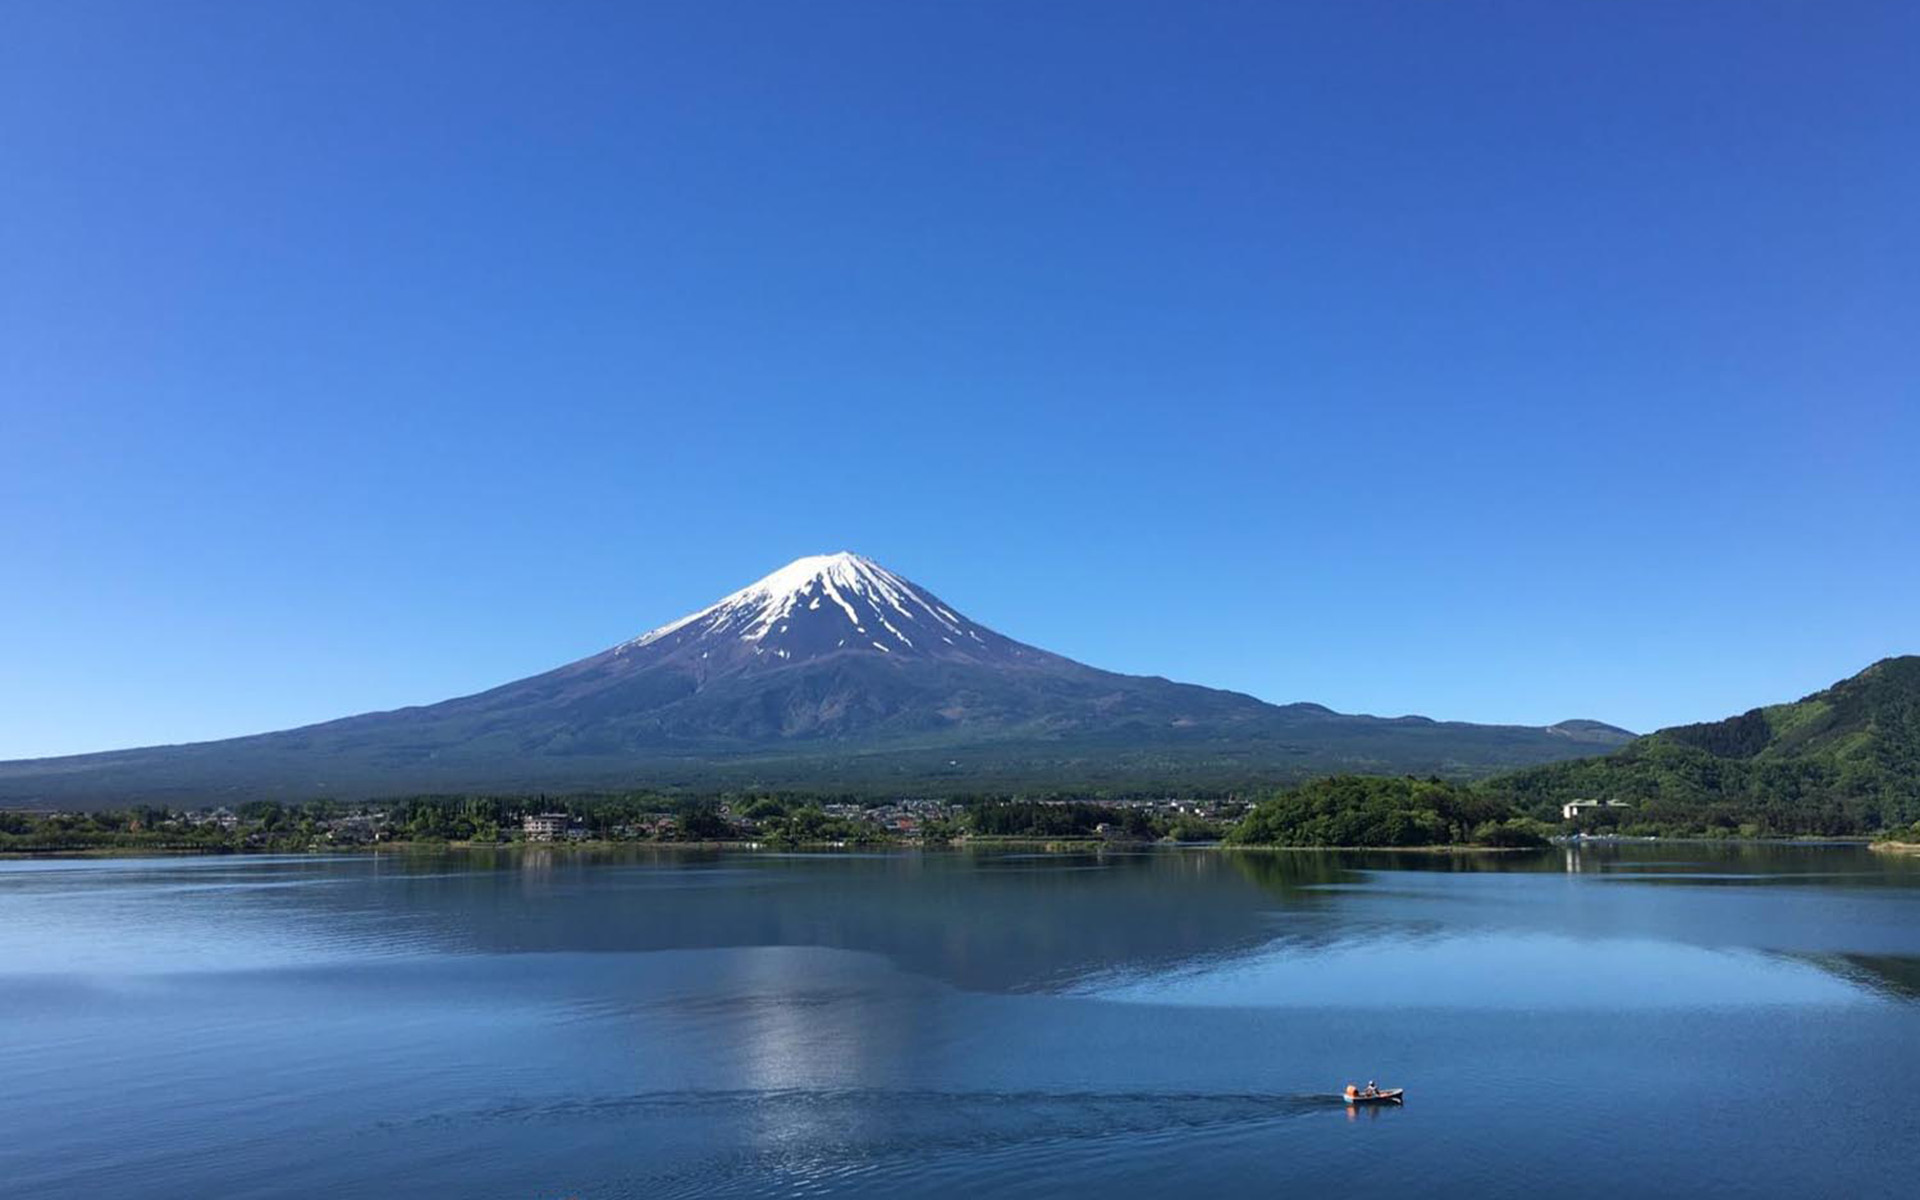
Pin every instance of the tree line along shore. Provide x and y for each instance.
(1335, 811)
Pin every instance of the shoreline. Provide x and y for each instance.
(1039, 845)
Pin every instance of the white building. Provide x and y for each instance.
(1572, 811)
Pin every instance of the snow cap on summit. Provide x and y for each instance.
(821, 603)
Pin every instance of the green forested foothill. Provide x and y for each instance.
(1843, 762)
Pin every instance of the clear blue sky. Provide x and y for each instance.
(1505, 362)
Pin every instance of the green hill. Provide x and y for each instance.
(1844, 761)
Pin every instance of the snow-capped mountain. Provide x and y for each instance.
(824, 605)
(836, 646)
(832, 671)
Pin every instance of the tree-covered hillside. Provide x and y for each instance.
(1373, 810)
(1844, 761)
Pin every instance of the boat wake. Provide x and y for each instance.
(803, 1141)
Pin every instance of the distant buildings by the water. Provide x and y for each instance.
(1573, 810)
(546, 826)
(773, 820)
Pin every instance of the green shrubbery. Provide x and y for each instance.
(1366, 810)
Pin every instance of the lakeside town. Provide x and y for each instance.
(761, 820)
(1333, 811)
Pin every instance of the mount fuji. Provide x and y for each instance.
(833, 671)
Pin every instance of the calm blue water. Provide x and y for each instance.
(1634, 1021)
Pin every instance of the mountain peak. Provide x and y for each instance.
(818, 605)
(845, 569)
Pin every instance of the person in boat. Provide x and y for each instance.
(1352, 1091)
(1373, 1089)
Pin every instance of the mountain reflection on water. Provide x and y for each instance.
(652, 1022)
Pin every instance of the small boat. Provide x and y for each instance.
(1377, 1096)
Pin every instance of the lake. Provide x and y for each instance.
(1607, 1021)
